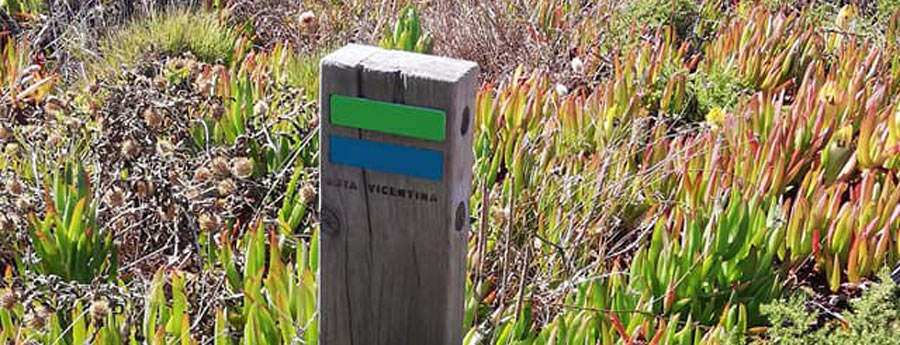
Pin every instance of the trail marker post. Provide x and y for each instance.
(396, 175)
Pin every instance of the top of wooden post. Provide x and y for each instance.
(425, 66)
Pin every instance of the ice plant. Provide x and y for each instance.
(407, 33)
(66, 239)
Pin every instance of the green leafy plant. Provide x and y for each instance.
(66, 239)
(680, 14)
(167, 323)
(279, 299)
(874, 318)
(251, 104)
(294, 204)
(407, 33)
(22, 7)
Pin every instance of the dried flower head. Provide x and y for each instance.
(5, 133)
(220, 166)
(13, 186)
(308, 193)
(12, 149)
(6, 225)
(217, 112)
(167, 213)
(35, 320)
(577, 66)
(164, 147)
(130, 149)
(309, 22)
(99, 310)
(54, 105)
(23, 204)
(8, 299)
(261, 108)
(114, 197)
(241, 167)
(561, 90)
(226, 187)
(208, 222)
(145, 189)
(53, 139)
(202, 174)
(152, 118)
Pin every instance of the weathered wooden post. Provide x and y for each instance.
(396, 173)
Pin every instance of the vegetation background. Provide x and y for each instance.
(647, 171)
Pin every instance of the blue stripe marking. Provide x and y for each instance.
(385, 157)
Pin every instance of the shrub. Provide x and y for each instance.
(169, 33)
(884, 9)
(874, 319)
(681, 14)
(717, 88)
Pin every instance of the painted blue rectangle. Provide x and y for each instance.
(385, 157)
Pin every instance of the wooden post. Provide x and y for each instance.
(396, 175)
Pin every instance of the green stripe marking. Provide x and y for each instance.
(399, 119)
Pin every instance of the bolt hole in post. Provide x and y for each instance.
(465, 122)
(460, 215)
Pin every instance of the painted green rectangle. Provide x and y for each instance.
(399, 119)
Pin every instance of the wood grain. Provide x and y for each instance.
(392, 267)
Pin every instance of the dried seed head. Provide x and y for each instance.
(308, 193)
(99, 310)
(130, 149)
(6, 225)
(220, 166)
(193, 194)
(500, 213)
(261, 108)
(202, 174)
(53, 105)
(309, 22)
(114, 197)
(13, 186)
(53, 139)
(152, 118)
(561, 90)
(8, 299)
(167, 213)
(577, 66)
(43, 311)
(218, 111)
(145, 189)
(208, 222)
(31, 130)
(226, 187)
(23, 204)
(12, 149)
(35, 321)
(179, 63)
(5, 133)
(164, 147)
(241, 167)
